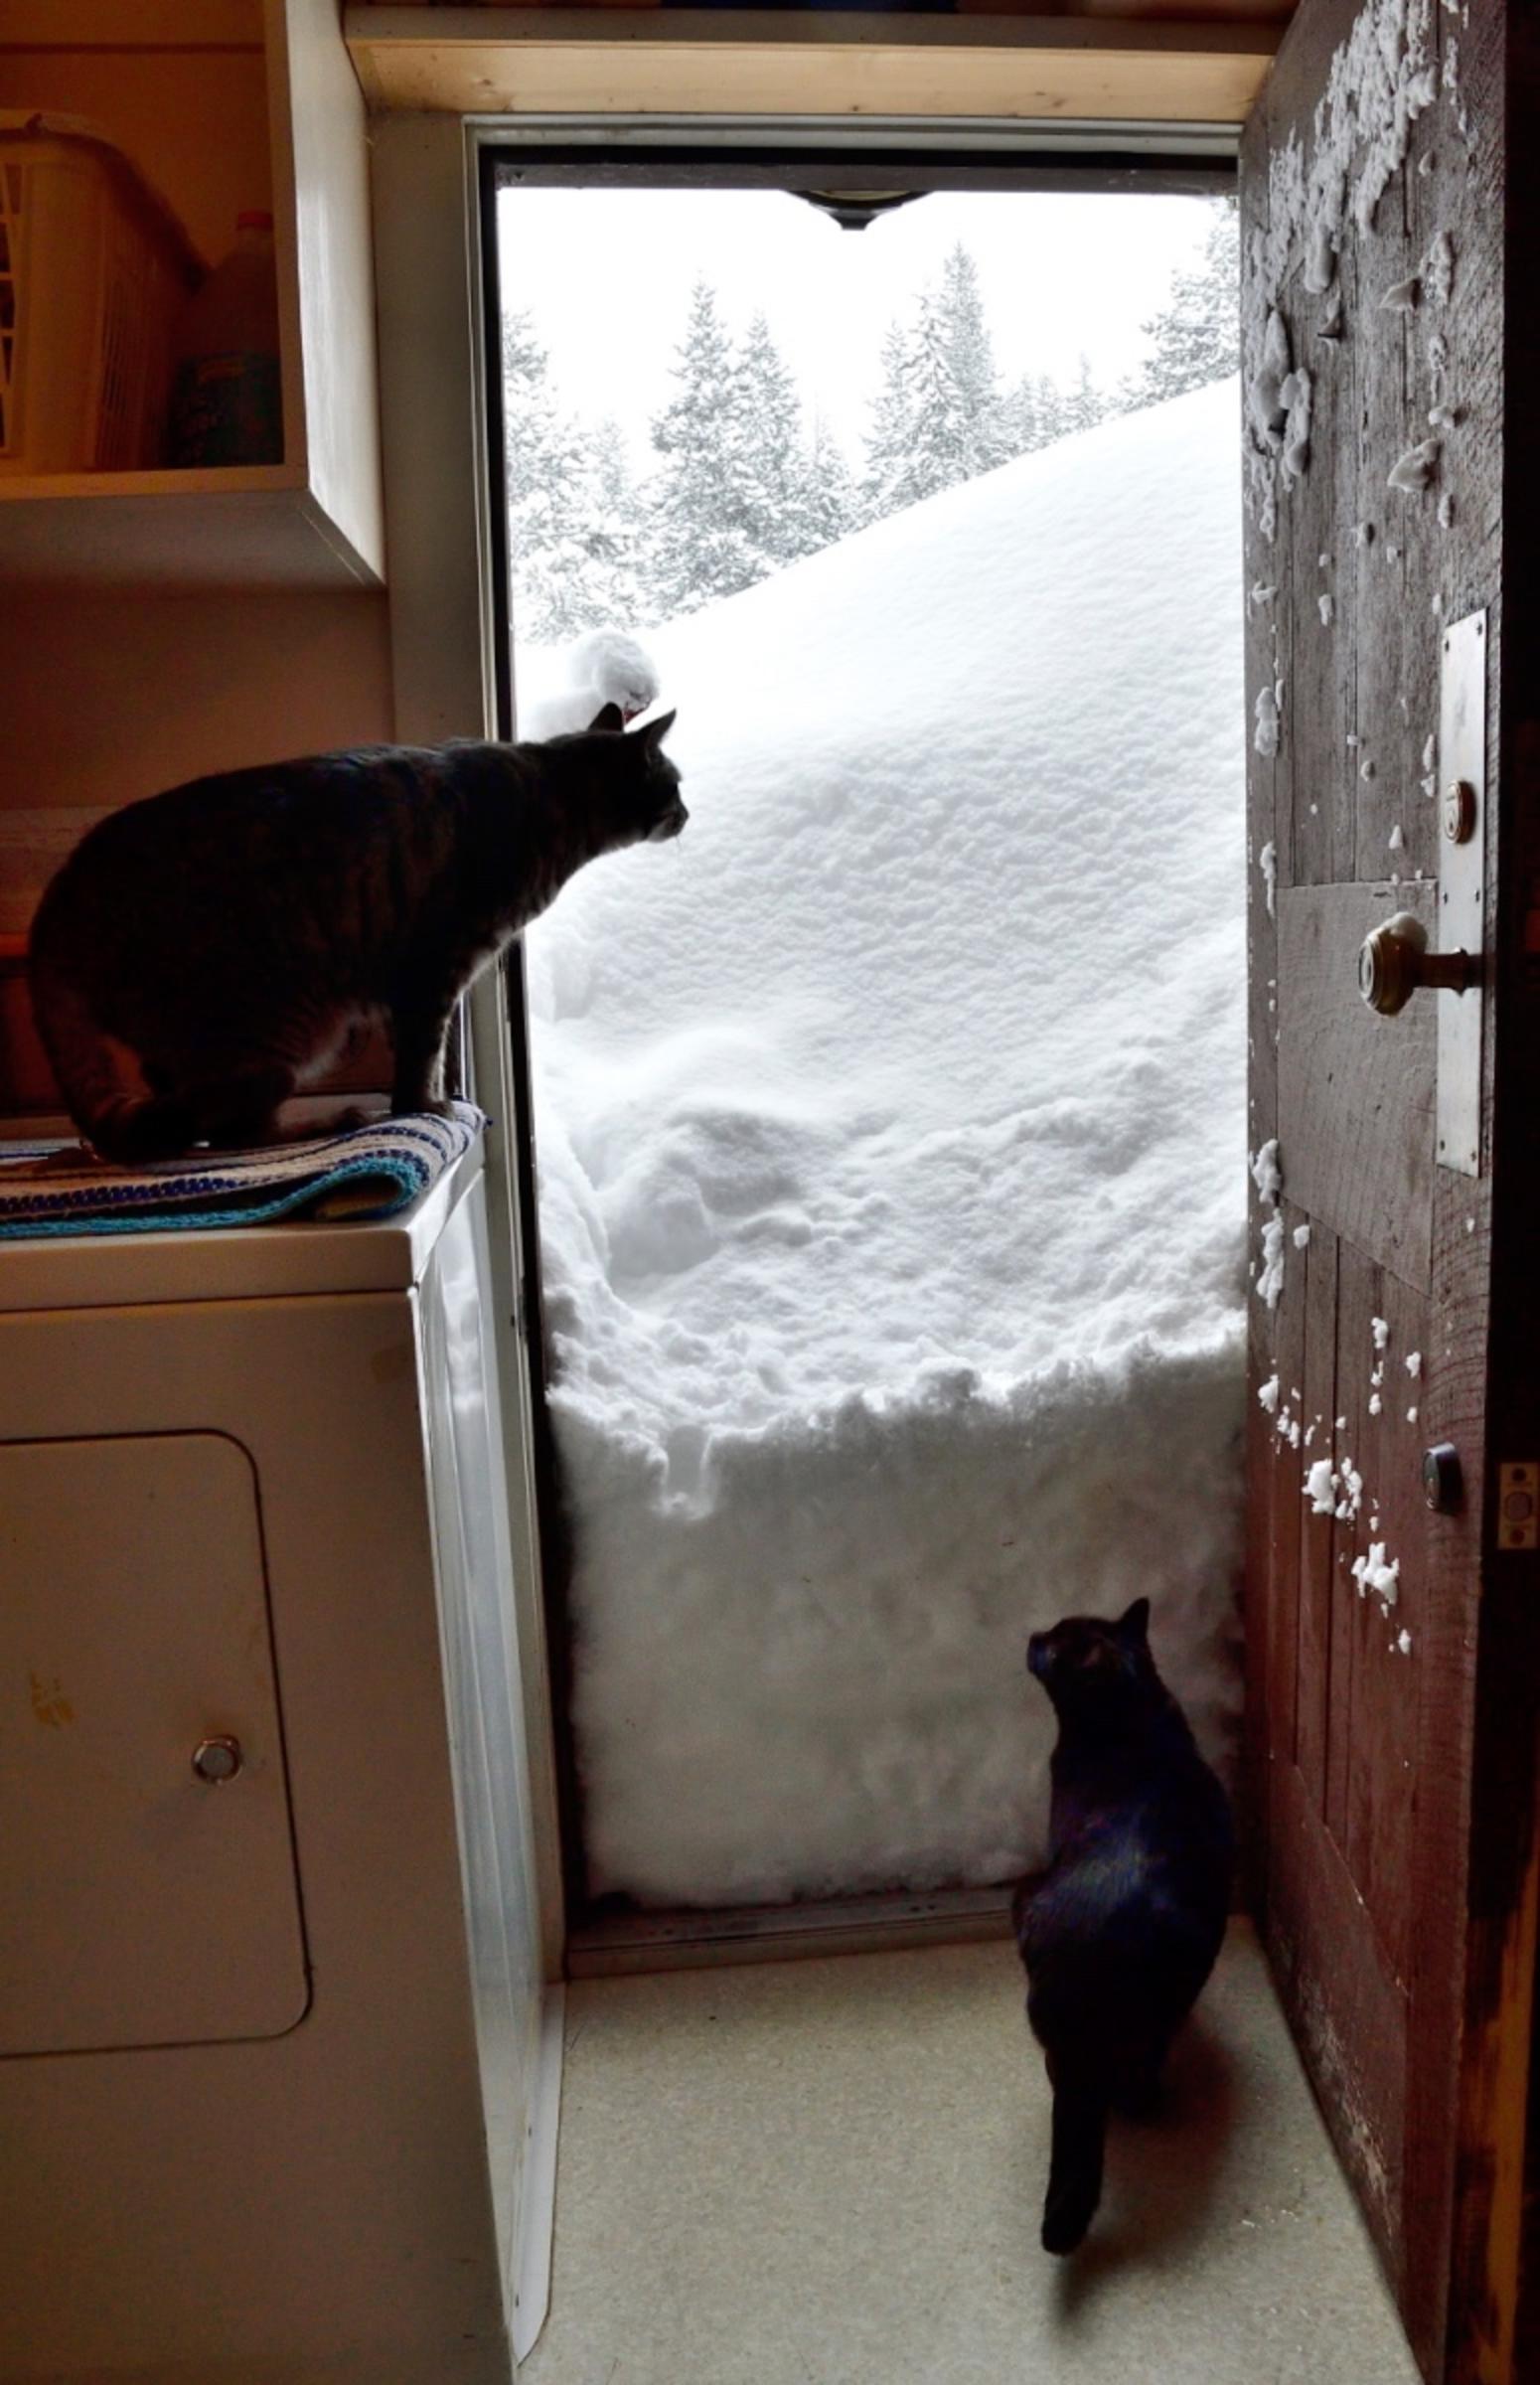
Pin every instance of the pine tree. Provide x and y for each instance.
(1053, 409)
(831, 504)
(545, 470)
(887, 441)
(937, 446)
(1034, 414)
(541, 460)
(1195, 336)
(970, 364)
(776, 493)
(1083, 405)
(617, 530)
(699, 535)
(920, 430)
(572, 532)
(937, 419)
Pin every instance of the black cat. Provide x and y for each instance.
(206, 952)
(1120, 1930)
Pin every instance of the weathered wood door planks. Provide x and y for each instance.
(1388, 195)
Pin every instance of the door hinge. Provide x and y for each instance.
(1518, 1505)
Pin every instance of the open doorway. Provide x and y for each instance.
(888, 1131)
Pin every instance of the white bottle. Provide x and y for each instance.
(226, 398)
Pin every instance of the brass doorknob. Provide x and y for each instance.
(1394, 961)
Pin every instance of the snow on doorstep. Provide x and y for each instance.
(894, 1237)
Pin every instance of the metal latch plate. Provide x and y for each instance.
(1461, 920)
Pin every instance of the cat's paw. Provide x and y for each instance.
(422, 1105)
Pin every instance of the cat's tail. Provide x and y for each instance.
(1075, 2169)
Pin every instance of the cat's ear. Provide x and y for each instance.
(1134, 1627)
(611, 720)
(653, 732)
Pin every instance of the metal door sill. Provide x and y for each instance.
(856, 1925)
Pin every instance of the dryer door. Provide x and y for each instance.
(146, 1859)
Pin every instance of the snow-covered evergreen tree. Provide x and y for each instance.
(1020, 417)
(776, 490)
(741, 491)
(1083, 403)
(970, 364)
(544, 464)
(832, 504)
(573, 535)
(937, 418)
(620, 524)
(1034, 414)
(1195, 337)
(887, 441)
(936, 446)
(701, 542)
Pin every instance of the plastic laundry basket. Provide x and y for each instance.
(93, 271)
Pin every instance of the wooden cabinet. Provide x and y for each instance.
(222, 104)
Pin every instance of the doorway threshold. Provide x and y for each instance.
(684, 1939)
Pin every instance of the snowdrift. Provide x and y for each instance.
(890, 1131)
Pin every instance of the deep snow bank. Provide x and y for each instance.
(891, 1145)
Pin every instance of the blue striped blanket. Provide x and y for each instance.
(361, 1173)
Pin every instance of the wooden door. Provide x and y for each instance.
(1394, 1649)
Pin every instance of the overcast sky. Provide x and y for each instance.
(607, 273)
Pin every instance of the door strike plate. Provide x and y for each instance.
(1518, 1506)
(1462, 915)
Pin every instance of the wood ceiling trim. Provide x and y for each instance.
(516, 60)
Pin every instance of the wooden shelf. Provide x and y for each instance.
(242, 527)
(222, 104)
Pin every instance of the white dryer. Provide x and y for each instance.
(267, 1988)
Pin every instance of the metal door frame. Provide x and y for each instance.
(562, 153)
(436, 182)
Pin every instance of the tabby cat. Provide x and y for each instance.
(203, 953)
(1120, 1930)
